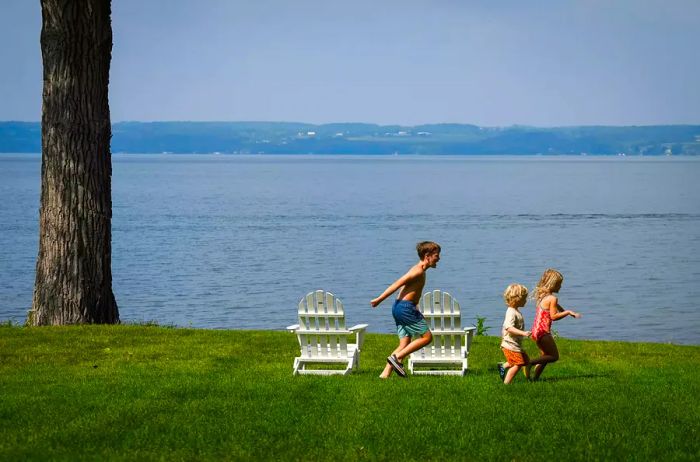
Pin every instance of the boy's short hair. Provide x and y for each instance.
(426, 247)
(514, 293)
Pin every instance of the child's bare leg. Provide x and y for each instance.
(417, 344)
(548, 354)
(512, 372)
(386, 372)
(403, 342)
(537, 371)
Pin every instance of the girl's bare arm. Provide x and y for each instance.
(557, 312)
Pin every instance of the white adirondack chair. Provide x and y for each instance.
(323, 337)
(451, 342)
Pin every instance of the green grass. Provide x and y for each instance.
(153, 393)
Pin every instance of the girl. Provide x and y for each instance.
(547, 310)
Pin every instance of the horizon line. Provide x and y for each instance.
(378, 124)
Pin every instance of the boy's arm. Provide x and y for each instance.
(400, 282)
(509, 324)
(514, 331)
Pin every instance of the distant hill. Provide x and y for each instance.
(358, 138)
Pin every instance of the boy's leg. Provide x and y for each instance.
(386, 372)
(403, 342)
(502, 370)
(510, 374)
(417, 344)
(514, 360)
(503, 366)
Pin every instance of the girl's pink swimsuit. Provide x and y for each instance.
(542, 324)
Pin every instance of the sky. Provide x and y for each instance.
(483, 62)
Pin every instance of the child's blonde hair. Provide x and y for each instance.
(549, 280)
(514, 293)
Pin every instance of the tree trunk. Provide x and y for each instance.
(74, 267)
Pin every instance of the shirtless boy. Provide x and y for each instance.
(410, 322)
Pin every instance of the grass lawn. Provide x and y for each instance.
(156, 393)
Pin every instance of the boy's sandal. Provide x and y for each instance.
(396, 365)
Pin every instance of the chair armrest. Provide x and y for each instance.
(292, 328)
(358, 327)
(470, 331)
(321, 332)
(359, 330)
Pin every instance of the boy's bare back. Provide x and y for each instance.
(413, 287)
(412, 282)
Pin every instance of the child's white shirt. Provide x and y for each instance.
(514, 318)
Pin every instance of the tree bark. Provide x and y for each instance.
(74, 266)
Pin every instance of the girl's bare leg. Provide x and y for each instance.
(403, 343)
(548, 354)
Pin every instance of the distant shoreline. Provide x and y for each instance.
(573, 157)
(368, 139)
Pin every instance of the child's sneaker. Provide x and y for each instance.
(396, 365)
(501, 371)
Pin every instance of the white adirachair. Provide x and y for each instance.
(323, 338)
(448, 353)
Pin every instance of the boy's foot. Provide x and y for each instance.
(501, 371)
(396, 365)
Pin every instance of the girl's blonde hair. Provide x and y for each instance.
(514, 293)
(549, 280)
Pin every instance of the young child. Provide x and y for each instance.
(548, 310)
(515, 297)
(409, 321)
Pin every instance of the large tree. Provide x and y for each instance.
(74, 267)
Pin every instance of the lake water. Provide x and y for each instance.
(233, 242)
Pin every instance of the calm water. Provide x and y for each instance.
(235, 241)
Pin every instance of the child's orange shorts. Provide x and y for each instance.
(515, 358)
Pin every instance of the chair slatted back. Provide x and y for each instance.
(442, 313)
(322, 317)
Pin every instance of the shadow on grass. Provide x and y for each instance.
(574, 377)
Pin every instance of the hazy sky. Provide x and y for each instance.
(490, 62)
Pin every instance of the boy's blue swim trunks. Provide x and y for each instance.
(409, 321)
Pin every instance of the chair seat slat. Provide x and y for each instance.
(323, 337)
(450, 344)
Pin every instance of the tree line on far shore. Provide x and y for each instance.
(368, 139)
